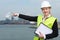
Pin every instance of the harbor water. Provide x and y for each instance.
(18, 32)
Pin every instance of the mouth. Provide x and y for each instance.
(45, 12)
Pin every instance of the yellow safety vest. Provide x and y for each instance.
(48, 22)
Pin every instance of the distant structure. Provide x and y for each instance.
(32, 22)
(10, 17)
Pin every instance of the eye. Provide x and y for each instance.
(42, 8)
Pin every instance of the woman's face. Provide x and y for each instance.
(46, 10)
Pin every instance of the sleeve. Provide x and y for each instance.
(30, 18)
(55, 31)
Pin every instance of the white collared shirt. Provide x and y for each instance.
(44, 18)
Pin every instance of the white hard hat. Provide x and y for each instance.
(45, 4)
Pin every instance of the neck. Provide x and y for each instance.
(46, 15)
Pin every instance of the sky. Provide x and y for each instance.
(27, 7)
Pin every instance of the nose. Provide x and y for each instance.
(45, 10)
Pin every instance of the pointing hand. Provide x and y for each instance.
(15, 14)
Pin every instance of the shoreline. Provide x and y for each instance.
(28, 24)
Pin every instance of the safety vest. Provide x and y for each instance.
(48, 22)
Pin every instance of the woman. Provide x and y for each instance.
(46, 19)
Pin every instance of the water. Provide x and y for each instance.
(18, 32)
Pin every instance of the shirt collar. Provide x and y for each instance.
(48, 16)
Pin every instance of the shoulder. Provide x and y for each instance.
(40, 15)
(54, 18)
